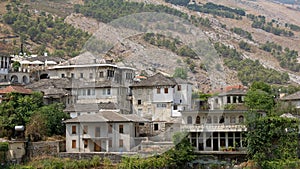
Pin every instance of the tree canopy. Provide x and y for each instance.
(29, 111)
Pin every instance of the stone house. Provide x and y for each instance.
(106, 131)
(85, 80)
(161, 99)
(292, 99)
(219, 128)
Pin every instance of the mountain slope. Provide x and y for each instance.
(133, 51)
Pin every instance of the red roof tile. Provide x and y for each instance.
(16, 89)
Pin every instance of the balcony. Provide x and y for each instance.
(213, 127)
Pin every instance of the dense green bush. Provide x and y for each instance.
(273, 141)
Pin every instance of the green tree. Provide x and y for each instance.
(181, 73)
(182, 152)
(259, 97)
(18, 109)
(272, 139)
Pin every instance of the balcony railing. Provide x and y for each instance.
(213, 127)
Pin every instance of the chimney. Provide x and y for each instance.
(22, 49)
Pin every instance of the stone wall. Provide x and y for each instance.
(114, 157)
(45, 148)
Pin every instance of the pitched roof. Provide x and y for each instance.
(156, 80)
(60, 83)
(182, 81)
(16, 89)
(294, 96)
(91, 107)
(106, 116)
(51, 86)
(234, 92)
(92, 118)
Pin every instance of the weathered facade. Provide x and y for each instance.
(161, 99)
(94, 81)
(220, 128)
(105, 131)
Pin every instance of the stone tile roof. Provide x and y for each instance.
(156, 80)
(48, 83)
(92, 118)
(91, 107)
(84, 59)
(234, 92)
(44, 58)
(182, 81)
(294, 96)
(16, 89)
(106, 116)
(76, 83)
(51, 86)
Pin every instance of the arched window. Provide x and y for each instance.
(241, 119)
(222, 120)
(215, 119)
(25, 79)
(208, 120)
(198, 120)
(189, 120)
(232, 119)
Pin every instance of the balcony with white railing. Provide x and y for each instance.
(213, 127)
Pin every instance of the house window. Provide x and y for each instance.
(208, 120)
(234, 99)
(85, 143)
(110, 73)
(85, 129)
(121, 143)
(215, 119)
(166, 90)
(62, 75)
(179, 87)
(97, 132)
(240, 100)
(140, 112)
(241, 119)
(110, 127)
(73, 129)
(228, 99)
(175, 107)
(81, 75)
(189, 120)
(72, 75)
(222, 119)
(106, 91)
(158, 90)
(155, 127)
(91, 76)
(73, 143)
(198, 120)
(161, 105)
(232, 119)
(88, 92)
(110, 143)
(121, 128)
(97, 146)
(139, 102)
(128, 75)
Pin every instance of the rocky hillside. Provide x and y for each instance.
(247, 37)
